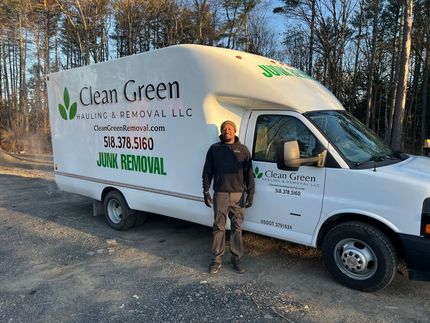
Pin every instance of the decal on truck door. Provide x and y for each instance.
(295, 195)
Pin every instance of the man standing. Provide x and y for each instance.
(228, 163)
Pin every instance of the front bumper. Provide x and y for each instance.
(417, 256)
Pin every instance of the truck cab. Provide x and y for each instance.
(332, 183)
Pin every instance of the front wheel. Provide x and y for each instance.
(118, 214)
(359, 256)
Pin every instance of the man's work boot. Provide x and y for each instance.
(214, 267)
(237, 265)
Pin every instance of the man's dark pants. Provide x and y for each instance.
(231, 205)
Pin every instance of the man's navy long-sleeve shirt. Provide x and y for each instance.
(230, 167)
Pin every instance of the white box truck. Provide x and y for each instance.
(133, 133)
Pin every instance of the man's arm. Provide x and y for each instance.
(208, 171)
(248, 174)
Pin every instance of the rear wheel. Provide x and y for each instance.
(359, 256)
(117, 213)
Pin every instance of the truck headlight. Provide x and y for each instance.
(425, 218)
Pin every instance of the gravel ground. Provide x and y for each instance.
(58, 263)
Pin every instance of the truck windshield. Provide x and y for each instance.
(358, 145)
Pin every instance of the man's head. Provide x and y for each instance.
(228, 131)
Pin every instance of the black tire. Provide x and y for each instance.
(359, 256)
(141, 218)
(118, 215)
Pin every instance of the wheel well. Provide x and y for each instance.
(109, 189)
(341, 218)
(106, 190)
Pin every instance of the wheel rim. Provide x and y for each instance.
(114, 211)
(355, 259)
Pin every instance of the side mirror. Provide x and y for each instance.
(292, 160)
(292, 154)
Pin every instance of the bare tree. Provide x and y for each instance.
(399, 112)
(370, 89)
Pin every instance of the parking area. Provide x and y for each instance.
(60, 263)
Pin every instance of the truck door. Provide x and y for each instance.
(287, 204)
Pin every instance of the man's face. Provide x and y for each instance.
(228, 133)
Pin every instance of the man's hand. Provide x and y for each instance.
(249, 201)
(208, 199)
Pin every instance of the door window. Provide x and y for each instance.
(273, 130)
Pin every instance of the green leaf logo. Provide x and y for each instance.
(67, 112)
(257, 173)
(66, 98)
(73, 110)
(63, 111)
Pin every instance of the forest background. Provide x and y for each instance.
(372, 54)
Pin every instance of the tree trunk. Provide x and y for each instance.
(6, 85)
(340, 52)
(399, 110)
(1, 75)
(410, 113)
(56, 62)
(46, 66)
(389, 111)
(352, 101)
(425, 94)
(370, 103)
(22, 75)
(312, 38)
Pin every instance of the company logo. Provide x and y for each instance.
(291, 177)
(257, 173)
(67, 111)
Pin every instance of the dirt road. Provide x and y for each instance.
(59, 263)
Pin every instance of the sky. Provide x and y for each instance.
(276, 21)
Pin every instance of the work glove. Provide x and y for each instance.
(208, 199)
(249, 201)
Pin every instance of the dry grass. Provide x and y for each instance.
(29, 173)
(259, 245)
(36, 143)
